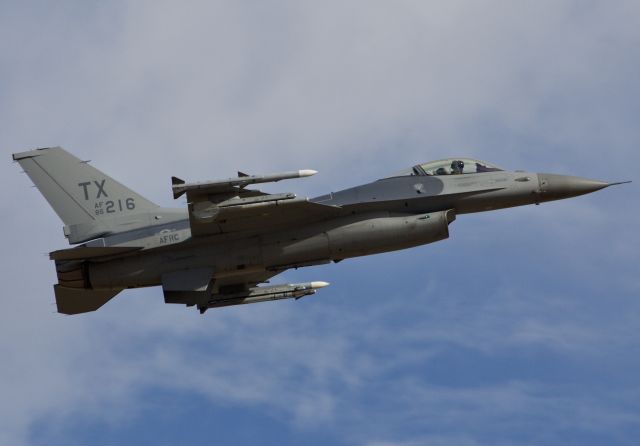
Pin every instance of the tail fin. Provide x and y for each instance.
(84, 198)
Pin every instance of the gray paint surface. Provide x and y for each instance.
(231, 238)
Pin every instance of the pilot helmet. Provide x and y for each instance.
(457, 166)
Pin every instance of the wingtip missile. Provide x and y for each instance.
(179, 186)
(306, 173)
(318, 284)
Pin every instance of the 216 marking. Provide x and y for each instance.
(111, 207)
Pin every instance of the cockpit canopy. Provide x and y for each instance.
(450, 166)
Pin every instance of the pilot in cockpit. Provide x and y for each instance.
(457, 167)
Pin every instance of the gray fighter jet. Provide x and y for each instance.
(232, 238)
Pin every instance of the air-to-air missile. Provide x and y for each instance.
(179, 186)
(263, 294)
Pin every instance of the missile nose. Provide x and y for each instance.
(319, 284)
(557, 187)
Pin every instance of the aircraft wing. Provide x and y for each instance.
(226, 206)
(208, 218)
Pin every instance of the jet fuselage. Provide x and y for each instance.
(231, 238)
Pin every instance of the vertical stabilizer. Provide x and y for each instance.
(84, 198)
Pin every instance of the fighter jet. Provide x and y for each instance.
(232, 239)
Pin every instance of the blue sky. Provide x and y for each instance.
(522, 328)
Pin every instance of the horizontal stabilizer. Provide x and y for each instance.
(91, 253)
(79, 300)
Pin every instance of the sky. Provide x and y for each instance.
(521, 328)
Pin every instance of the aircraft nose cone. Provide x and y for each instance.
(556, 187)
